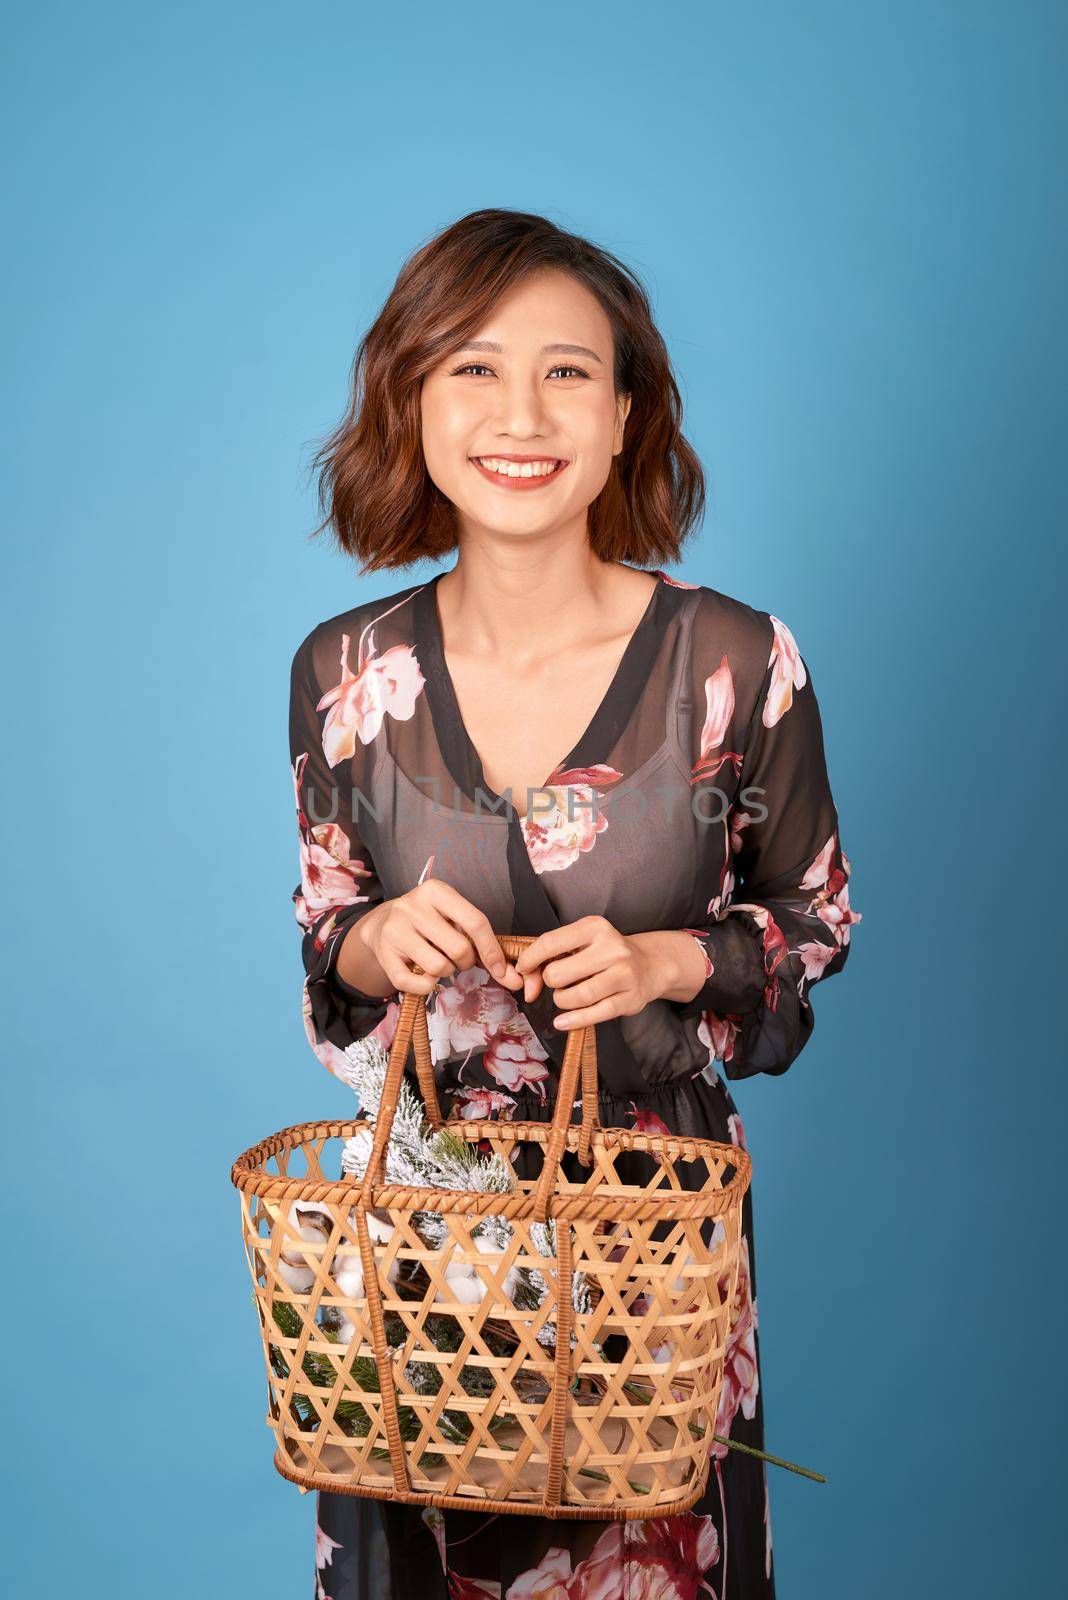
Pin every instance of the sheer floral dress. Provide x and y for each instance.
(697, 799)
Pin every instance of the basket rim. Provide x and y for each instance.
(674, 1204)
(563, 1511)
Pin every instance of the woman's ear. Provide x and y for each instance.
(622, 412)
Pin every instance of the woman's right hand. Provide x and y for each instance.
(431, 926)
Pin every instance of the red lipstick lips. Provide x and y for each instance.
(507, 481)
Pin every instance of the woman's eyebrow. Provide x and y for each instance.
(546, 349)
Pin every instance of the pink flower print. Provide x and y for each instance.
(676, 583)
(468, 1010)
(719, 1033)
(708, 1071)
(788, 674)
(736, 822)
(718, 905)
(815, 956)
(324, 1552)
(556, 836)
(390, 683)
(516, 1057)
(719, 709)
(324, 930)
(838, 916)
(549, 1580)
(646, 1121)
(478, 1105)
(817, 874)
(434, 1519)
(328, 877)
(741, 1380)
(475, 1013)
(601, 1576)
(669, 1556)
(773, 944)
(736, 1130)
(834, 909)
(831, 903)
(700, 934)
(333, 1059)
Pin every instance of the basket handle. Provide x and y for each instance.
(579, 1071)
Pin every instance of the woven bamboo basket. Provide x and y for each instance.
(613, 1422)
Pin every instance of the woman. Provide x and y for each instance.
(551, 739)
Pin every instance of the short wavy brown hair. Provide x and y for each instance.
(374, 490)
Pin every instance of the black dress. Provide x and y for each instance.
(699, 800)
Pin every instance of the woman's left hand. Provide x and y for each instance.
(595, 972)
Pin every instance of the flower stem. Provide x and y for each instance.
(776, 1461)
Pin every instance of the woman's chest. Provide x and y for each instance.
(520, 725)
(632, 846)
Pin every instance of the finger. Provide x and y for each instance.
(452, 942)
(411, 945)
(533, 984)
(404, 980)
(479, 930)
(590, 990)
(614, 1005)
(473, 924)
(556, 942)
(578, 966)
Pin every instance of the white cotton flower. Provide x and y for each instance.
(298, 1278)
(348, 1269)
(311, 1222)
(465, 1282)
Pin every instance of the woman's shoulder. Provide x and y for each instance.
(741, 655)
(343, 641)
(725, 624)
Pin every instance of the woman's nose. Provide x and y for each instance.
(521, 409)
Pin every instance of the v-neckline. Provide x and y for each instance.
(601, 733)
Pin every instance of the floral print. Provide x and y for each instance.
(474, 1012)
(324, 1553)
(557, 835)
(358, 705)
(741, 1379)
(662, 1558)
(788, 674)
(711, 721)
(719, 714)
(329, 878)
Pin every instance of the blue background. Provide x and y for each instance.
(852, 226)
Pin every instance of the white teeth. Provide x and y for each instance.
(517, 469)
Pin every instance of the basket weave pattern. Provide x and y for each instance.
(614, 1423)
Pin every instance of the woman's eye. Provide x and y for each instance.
(479, 367)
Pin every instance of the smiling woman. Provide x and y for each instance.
(676, 853)
(504, 309)
(480, 413)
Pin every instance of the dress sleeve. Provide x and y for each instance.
(338, 881)
(785, 888)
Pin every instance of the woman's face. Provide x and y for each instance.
(532, 394)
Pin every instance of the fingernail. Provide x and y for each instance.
(563, 1019)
